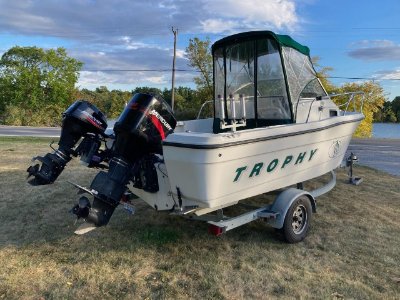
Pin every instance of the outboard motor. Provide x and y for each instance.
(80, 119)
(139, 131)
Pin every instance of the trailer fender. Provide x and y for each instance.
(283, 202)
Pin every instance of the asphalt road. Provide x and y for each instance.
(381, 154)
(30, 131)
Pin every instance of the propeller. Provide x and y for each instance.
(81, 210)
(32, 170)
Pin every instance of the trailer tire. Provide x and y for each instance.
(297, 220)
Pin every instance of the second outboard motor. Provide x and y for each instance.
(79, 119)
(139, 131)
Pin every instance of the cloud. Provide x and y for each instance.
(129, 58)
(131, 78)
(100, 21)
(76, 19)
(218, 25)
(388, 74)
(123, 66)
(265, 14)
(375, 50)
(125, 34)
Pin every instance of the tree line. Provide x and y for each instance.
(187, 101)
(37, 85)
(389, 112)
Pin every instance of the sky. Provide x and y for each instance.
(358, 39)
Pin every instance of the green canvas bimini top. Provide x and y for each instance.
(286, 40)
(283, 40)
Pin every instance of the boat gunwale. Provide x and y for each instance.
(258, 139)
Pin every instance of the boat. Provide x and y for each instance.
(273, 126)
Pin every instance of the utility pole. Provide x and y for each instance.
(175, 32)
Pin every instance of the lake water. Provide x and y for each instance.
(386, 130)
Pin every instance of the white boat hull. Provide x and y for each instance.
(218, 170)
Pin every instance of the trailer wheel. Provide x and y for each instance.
(297, 220)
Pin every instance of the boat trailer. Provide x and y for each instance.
(290, 212)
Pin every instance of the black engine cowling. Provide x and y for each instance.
(79, 119)
(141, 127)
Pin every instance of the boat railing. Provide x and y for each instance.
(202, 107)
(351, 101)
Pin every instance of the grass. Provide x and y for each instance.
(352, 251)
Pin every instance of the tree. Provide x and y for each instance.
(374, 99)
(199, 54)
(390, 117)
(187, 102)
(119, 99)
(395, 105)
(147, 90)
(323, 75)
(385, 114)
(36, 85)
(111, 103)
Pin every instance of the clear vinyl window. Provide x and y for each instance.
(313, 89)
(272, 99)
(240, 76)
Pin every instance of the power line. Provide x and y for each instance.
(95, 32)
(138, 70)
(362, 78)
(197, 71)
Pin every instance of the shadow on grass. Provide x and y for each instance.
(40, 215)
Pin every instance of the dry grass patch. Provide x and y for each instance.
(352, 250)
